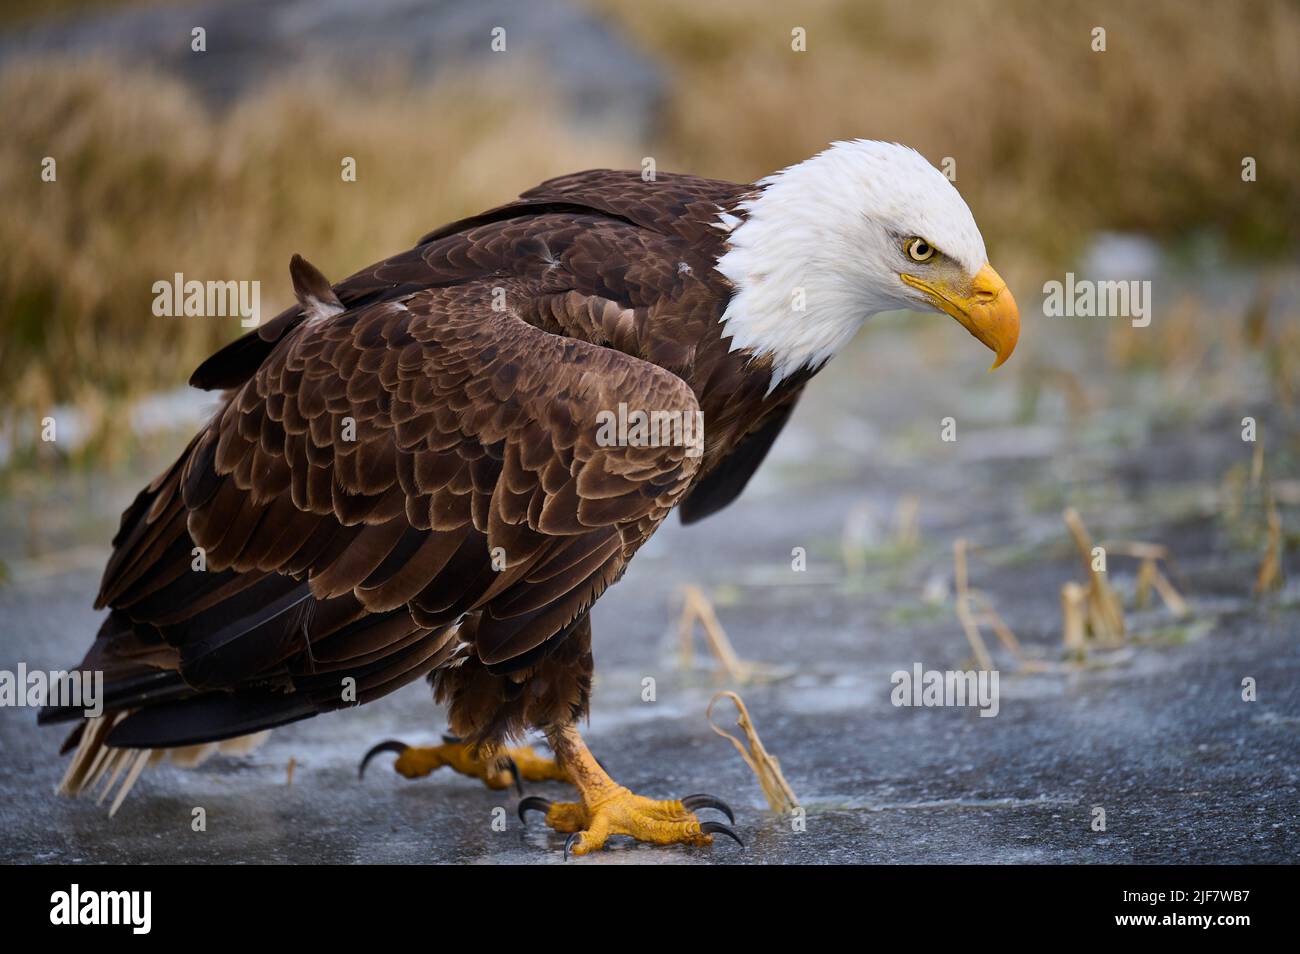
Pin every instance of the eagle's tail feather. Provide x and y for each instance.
(97, 766)
(89, 753)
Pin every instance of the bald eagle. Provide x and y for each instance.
(406, 477)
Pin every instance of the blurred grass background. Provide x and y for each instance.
(1053, 142)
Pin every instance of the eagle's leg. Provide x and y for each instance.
(607, 808)
(496, 771)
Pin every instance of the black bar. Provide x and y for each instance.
(328, 904)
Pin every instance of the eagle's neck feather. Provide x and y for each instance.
(795, 297)
(788, 301)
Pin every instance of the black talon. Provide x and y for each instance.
(696, 802)
(717, 828)
(533, 803)
(450, 739)
(390, 745)
(519, 782)
(573, 840)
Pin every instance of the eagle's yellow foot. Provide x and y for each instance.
(511, 765)
(536, 768)
(622, 813)
(608, 809)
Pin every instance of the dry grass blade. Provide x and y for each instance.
(1074, 617)
(1269, 577)
(1105, 612)
(907, 523)
(1173, 599)
(696, 607)
(1095, 610)
(969, 600)
(1150, 576)
(964, 615)
(780, 797)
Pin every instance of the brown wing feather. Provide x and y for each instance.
(492, 434)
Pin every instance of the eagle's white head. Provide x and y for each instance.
(860, 228)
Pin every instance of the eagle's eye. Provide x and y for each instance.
(919, 250)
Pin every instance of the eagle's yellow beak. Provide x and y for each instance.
(985, 307)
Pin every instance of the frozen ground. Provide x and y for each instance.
(1156, 734)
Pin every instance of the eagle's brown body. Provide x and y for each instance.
(469, 373)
